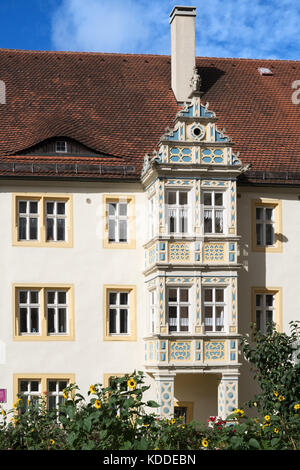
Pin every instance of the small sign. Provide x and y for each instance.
(2, 395)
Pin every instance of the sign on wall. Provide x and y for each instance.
(2, 395)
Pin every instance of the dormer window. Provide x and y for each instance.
(61, 146)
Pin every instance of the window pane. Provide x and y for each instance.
(34, 297)
(208, 296)
(258, 300)
(269, 317)
(50, 229)
(269, 234)
(172, 295)
(33, 207)
(62, 297)
(34, 385)
(184, 295)
(62, 385)
(23, 297)
(50, 298)
(23, 385)
(172, 225)
(51, 317)
(259, 234)
(184, 318)
(33, 228)
(219, 295)
(22, 228)
(112, 230)
(51, 403)
(183, 198)
(23, 320)
(112, 320)
(207, 221)
(52, 386)
(112, 208)
(34, 313)
(62, 320)
(50, 207)
(258, 319)
(123, 230)
(112, 298)
(219, 318)
(122, 209)
(207, 199)
(219, 222)
(124, 298)
(259, 213)
(61, 229)
(123, 321)
(22, 207)
(269, 214)
(171, 197)
(218, 199)
(61, 208)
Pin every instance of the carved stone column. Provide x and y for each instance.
(227, 394)
(165, 394)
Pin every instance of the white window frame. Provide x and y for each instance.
(213, 208)
(117, 218)
(214, 304)
(179, 212)
(28, 306)
(178, 323)
(118, 307)
(151, 217)
(263, 309)
(55, 217)
(29, 395)
(28, 216)
(264, 222)
(56, 306)
(58, 144)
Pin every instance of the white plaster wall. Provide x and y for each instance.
(88, 267)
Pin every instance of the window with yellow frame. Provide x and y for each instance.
(119, 307)
(266, 225)
(43, 312)
(31, 388)
(119, 221)
(267, 308)
(42, 220)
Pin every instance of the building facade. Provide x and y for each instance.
(113, 261)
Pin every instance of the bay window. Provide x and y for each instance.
(214, 309)
(178, 309)
(214, 210)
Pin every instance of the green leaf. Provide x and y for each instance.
(254, 443)
(152, 404)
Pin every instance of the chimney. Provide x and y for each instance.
(183, 50)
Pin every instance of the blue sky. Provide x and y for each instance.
(224, 28)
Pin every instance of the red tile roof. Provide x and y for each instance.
(120, 105)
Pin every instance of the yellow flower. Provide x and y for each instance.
(255, 404)
(98, 404)
(131, 384)
(276, 430)
(52, 442)
(297, 406)
(276, 393)
(204, 442)
(65, 394)
(281, 398)
(3, 412)
(92, 389)
(240, 412)
(183, 426)
(173, 421)
(267, 418)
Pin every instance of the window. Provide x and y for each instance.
(267, 308)
(184, 410)
(178, 212)
(214, 309)
(43, 313)
(178, 309)
(120, 313)
(42, 220)
(31, 387)
(119, 222)
(213, 212)
(153, 308)
(266, 223)
(61, 146)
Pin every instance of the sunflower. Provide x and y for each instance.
(281, 398)
(65, 394)
(52, 442)
(131, 384)
(204, 442)
(92, 389)
(297, 406)
(97, 404)
(3, 412)
(267, 418)
(276, 430)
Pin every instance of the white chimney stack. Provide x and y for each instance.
(183, 50)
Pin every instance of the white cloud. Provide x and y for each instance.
(231, 28)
